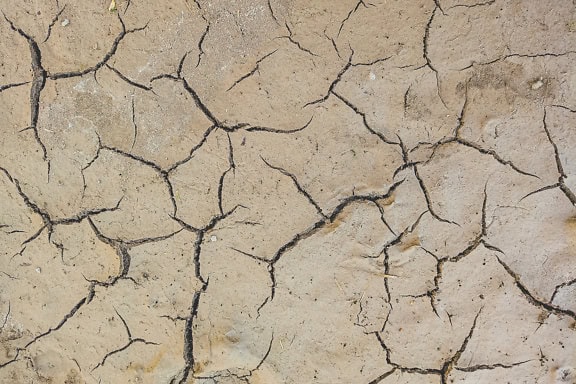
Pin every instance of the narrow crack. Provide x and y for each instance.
(482, 367)
(60, 324)
(352, 11)
(428, 199)
(189, 358)
(192, 150)
(199, 103)
(451, 363)
(162, 173)
(313, 229)
(549, 307)
(105, 59)
(561, 183)
(559, 287)
(38, 83)
(127, 80)
(425, 45)
(472, 145)
(201, 52)
(6, 316)
(272, 12)
(131, 341)
(490, 2)
(231, 168)
(301, 190)
(290, 38)
(253, 71)
(349, 64)
(53, 22)
(12, 85)
(383, 376)
(364, 119)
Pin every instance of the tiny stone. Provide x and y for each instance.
(38, 270)
(213, 238)
(65, 22)
(537, 84)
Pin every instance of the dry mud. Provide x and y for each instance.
(288, 191)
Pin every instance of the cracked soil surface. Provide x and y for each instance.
(288, 191)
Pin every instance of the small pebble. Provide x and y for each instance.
(537, 84)
(65, 22)
(38, 270)
(213, 238)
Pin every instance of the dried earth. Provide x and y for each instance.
(288, 191)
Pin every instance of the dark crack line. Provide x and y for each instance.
(482, 367)
(474, 244)
(272, 12)
(199, 103)
(383, 219)
(7, 314)
(188, 330)
(494, 155)
(127, 80)
(554, 146)
(134, 125)
(266, 354)
(451, 363)
(338, 78)
(48, 223)
(460, 120)
(85, 214)
(105, 59)
(314, 228)
(334, 45)
(131, 341)
(414, 370)
(561, 184)
(8, 86)
(334, 83)
(60, 324)
(352, 11)
(291, 39)
(253, 71)
(428, 199)
(231, 168)
(201, 52)
(544, 54)
(275, 130)
(531, 298)
(122, 245)
(364, 119)
(38, 83)
(484, 151)
(162, 173)
(425, 47)
(301, 190)
(382, 376)
(569, 194)
(180, 65)
(84, 186)
(560, 286)
(472, 5)
(545, 188)
(53, 22)
(193, 150)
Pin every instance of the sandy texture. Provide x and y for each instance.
(288, 191)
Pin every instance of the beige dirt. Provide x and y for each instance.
(288, 191)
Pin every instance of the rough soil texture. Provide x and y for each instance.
(288, 191)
